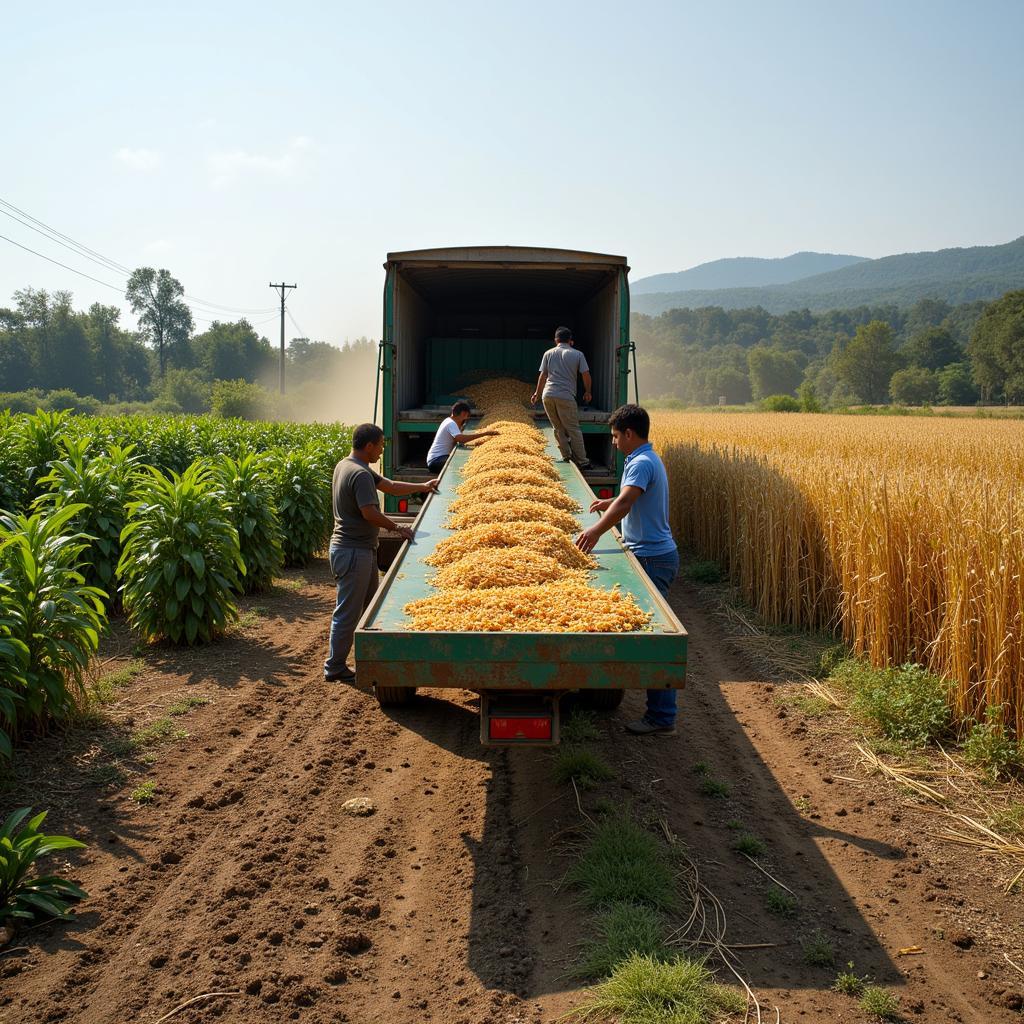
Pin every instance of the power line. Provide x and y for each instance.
(302, 333)
(106, 284)
(53, 235)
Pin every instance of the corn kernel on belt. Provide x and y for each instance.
(503, 567)
(540, 537)
(545, 608)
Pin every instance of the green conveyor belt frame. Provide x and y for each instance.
(389, 653)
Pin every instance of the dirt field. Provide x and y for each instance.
(243, 876)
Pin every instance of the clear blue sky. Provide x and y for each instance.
(238, 143)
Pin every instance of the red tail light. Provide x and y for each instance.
(403, 505)
(520, 728)
(605, 492)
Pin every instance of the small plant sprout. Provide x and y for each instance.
(145, 793)
(780, 902)
(749, 845)
(818, 950)
(881, 1003)
(714, 788)
(849, 982)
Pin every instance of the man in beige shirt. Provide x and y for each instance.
(556, 385)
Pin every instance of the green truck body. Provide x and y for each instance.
(451, 317)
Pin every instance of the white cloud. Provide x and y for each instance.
(139, 159)
(229, 166)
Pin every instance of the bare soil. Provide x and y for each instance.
(447, 904)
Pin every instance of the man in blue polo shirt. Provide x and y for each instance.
(642, 508)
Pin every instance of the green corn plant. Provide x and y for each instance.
(41, 444)
(54, 617)
(103, 486)
(13, 660)
(302, 487)
(24, 897)
(13, 481)
(248, 499)
(180, 558)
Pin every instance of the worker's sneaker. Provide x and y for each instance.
(644, 727)
(340, 677)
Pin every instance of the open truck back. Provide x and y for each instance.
(452, 318)
(456, 316)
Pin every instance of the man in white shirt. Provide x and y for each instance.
(556, 385)
(450, 433)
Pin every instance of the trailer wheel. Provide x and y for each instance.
(601, 700)
(394, 696)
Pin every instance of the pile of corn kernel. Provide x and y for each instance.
(511, 564)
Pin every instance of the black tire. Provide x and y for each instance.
(394, 696)
(601, 700)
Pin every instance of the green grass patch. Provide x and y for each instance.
(645, 990)
(714, 788)
(806, 704)
(990, 747)
(849, 982)
(107, 774)
(880, 1002)
(749, 845)
(701, 768)
(580, 765)
(781, 903)
(818, 949)
(1009, 820)
(105, 689)
(704, 572)
(580, 727)
(907, 704)
(622, 863)
(250, 619)
(622, 930)
(162, 730)
(186, 704)
(144, 794)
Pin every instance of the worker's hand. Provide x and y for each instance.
(533, 398)
(587, 539)
(587, 397)
(430, 487)
(601, 505)
(405, 533)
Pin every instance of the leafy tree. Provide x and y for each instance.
(997, 349)
(231, 351)
(913, 386)
(165, 319)
(955, 385)
(933, 348)
(868, 361)
(808, 397)
(731, 384)
(185, 391)
(774, 372)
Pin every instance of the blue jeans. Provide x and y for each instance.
(661, 570)
(355, 570)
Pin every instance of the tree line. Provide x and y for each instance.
(57, 356)
(929, 353)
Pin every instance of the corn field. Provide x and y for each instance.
(903, 536)
(169, 518)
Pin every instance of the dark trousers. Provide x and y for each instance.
(355, 569)
(661, 570)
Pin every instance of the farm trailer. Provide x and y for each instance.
(520, 677)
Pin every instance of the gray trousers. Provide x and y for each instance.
(355, 569)
(564, 414)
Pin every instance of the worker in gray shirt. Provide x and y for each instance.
(556, 385)
(353, 551)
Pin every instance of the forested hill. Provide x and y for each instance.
(744, 272)
(951, 275)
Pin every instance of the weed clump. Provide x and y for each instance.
(750, 845)
(645, 990)
(849, 982)
(580, 727)
(622, 863)
(622, 930)
(990, 747)
(780, 902)
(580, 765)
(714, 788)
(818, 950)
(879, 1002)
(906, 703)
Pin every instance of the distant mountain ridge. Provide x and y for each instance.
(955, 275)
(744, 272)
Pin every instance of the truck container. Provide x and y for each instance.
(455, 316)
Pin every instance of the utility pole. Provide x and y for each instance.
(284, 288)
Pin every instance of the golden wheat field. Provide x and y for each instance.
(904, 535)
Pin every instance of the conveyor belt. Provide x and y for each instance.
(394, 655)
